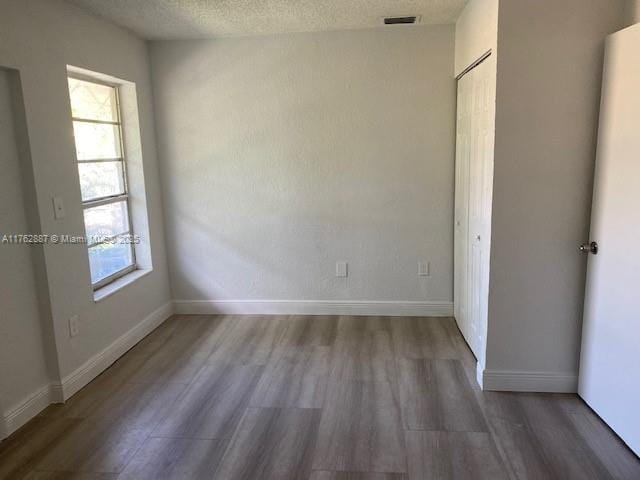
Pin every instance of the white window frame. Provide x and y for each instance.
(106, 200)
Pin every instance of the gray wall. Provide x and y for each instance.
(283, 154)
(548, 90)
(39, 38)
(23, 362)
(632, 12)
(476, 32)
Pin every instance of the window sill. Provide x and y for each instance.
(119, 284)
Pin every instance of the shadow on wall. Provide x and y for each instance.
(27, 354)
(306, 158)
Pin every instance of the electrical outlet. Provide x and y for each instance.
(74, 328)
(342, 269)
(424, 269)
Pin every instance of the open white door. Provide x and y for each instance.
(610, 358)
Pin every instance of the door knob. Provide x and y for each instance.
(589, 248)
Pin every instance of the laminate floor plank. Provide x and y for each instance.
(39, 475)
(135, 405)
(363, 350)
(272, 444)
(539, 435)
(250, 340)
(307, 331)
(162, 335)
(354, 329)
(310, 397)
(318, 475)
(427, 337)
(619, 460)
(294, 377)
(138, 405)
(175, 356)
(453, 456)
(175, 459)
(181, 358)
(26, 447)
(169, 367)
(185, 333)
(532, 409)
(361, 429)
(436, 395)
(94, 448)
(547, 452)
(212, 405)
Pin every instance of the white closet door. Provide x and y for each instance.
(461, 233)
(474, 190)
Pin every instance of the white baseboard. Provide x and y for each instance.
(101, 361)
(26, 410)
(60, 391)
(313, 307)
(518, 381)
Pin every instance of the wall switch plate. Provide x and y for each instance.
(342, 269)
(58, 208)
(423, 269)
(74, 328)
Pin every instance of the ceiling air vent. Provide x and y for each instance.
(405, 20)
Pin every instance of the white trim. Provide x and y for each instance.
(101, 361)
(26, 410)
(519, 381)
(3, 428)
(119, 283)
(480, 375)
(314, 307)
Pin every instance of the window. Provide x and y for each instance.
(100, 155)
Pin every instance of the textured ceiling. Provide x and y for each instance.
(175, 19)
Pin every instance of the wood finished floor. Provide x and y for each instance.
(319, 398)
